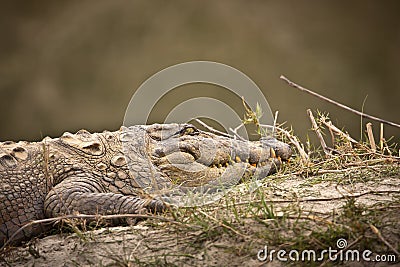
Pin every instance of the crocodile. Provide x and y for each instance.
(117, 172)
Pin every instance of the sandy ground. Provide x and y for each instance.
(159, 244)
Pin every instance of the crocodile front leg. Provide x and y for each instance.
(86, 195)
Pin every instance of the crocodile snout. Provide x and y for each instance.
(280, 149)
(194, 155)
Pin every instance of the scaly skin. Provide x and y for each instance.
(104, 173)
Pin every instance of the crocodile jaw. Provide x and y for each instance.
(191, 158)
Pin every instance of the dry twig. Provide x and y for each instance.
(338, 104)
(339, 132)
(84, 216)
(234, 131)
(211, 129)
(371, 136)
(378, 233)
(381, 138)
(308, 200)
(294, 140)
(318, 132)
(275, 120)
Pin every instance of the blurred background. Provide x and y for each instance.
(67, 65)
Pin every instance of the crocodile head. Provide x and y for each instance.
(184, 156)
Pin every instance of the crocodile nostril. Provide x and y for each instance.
(159, 152)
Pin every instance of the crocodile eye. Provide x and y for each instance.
(189, 130)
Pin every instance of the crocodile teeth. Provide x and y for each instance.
(238, 159)
(226, 164)
(273, 154)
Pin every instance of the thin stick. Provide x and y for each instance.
(318, 132)
(211, 129)
(332, 127)
(295, 142)
(371, 136)
(276, 201)
(238, 127)
(381, 138)
(332, 136)
(234, 131)
(83, 216)
(275, 120)
(338, 104)
(378, 233)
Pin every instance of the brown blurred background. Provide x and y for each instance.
(67, 65)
